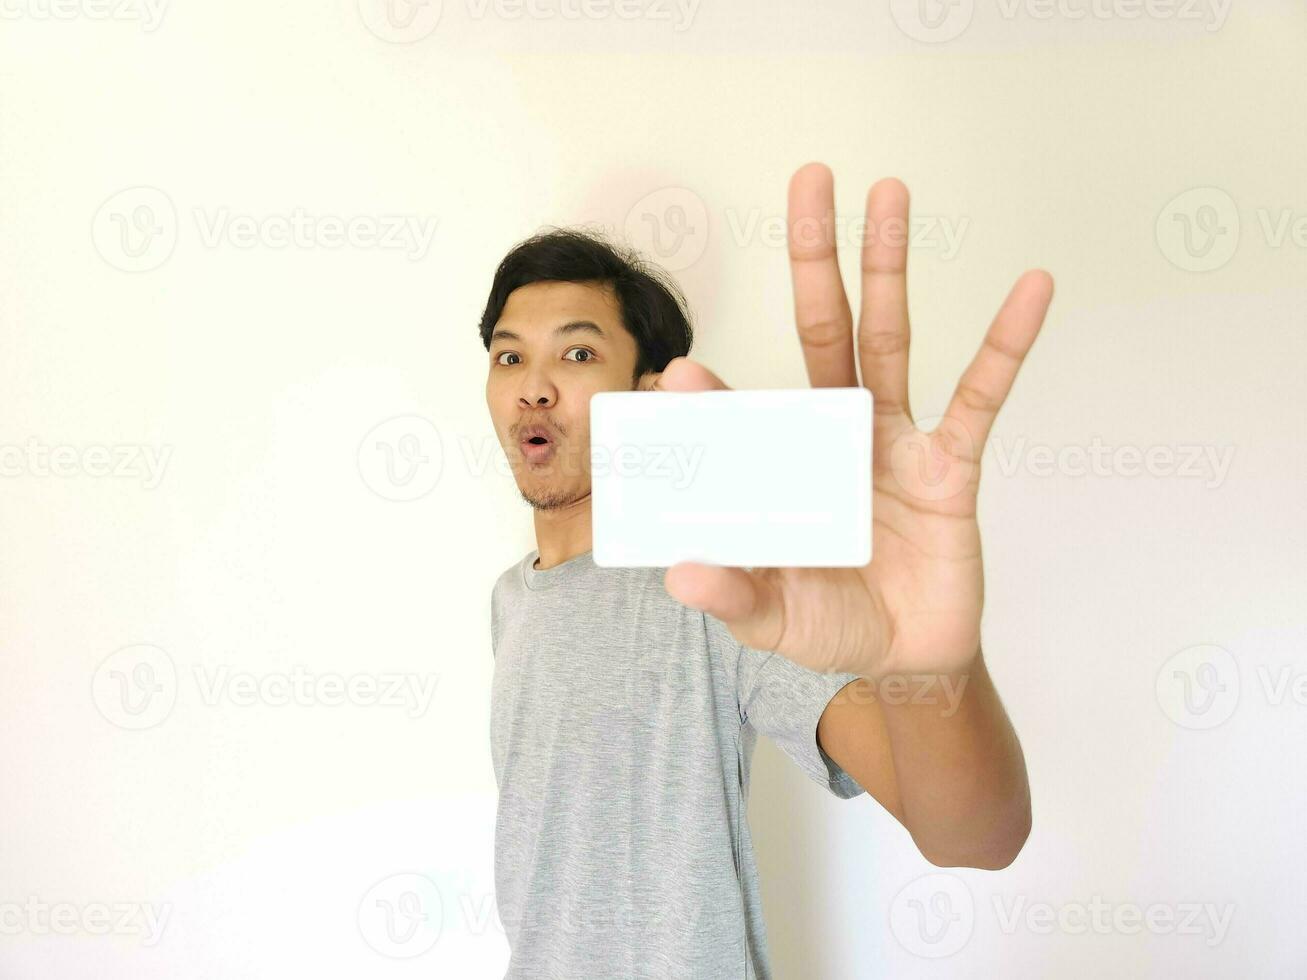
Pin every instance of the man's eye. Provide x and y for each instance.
(507, 353)
(582, 350)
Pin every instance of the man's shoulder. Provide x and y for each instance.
(508, 577)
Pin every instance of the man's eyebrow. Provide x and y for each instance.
(572, 326)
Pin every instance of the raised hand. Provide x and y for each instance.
(915, 608)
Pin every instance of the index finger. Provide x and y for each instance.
(985, 384)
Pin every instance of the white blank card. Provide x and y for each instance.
(776, 477)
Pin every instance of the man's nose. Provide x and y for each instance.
(537, 392)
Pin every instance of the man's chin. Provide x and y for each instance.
(542, 496)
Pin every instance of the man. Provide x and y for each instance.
(626, 701)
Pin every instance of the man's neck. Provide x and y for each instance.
(563, 534)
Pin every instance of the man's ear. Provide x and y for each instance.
(648, 381)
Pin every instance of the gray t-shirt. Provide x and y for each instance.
(622, 727)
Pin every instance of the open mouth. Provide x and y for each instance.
(535, 443)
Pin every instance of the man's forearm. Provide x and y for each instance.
(961, 774)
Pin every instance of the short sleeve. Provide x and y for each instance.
(784, 701)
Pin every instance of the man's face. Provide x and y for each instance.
(555, 345)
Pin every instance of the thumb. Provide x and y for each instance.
(681, 374)
(749, 604)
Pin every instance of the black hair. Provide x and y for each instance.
(653, 307)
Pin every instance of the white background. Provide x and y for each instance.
(149, 303)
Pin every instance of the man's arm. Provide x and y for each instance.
(957, 779)
(938, 752)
